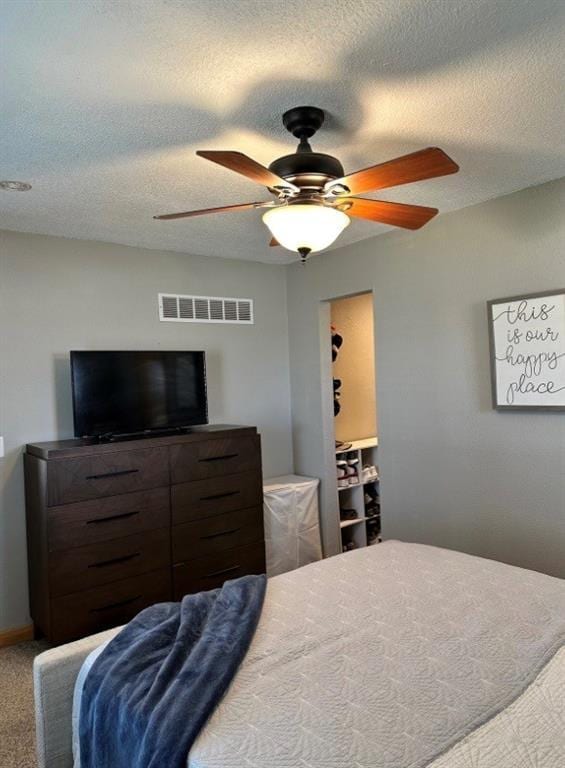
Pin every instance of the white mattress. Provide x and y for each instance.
(396, 656)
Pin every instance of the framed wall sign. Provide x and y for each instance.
(527, 351)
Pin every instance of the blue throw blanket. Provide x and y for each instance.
(156, 683)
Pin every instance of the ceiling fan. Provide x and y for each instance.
(314, 198)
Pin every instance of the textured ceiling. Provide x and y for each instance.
(103, 104)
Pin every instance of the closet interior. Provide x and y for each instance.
(355, 421)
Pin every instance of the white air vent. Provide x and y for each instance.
(204, 309)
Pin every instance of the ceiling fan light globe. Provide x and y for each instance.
(312, 227)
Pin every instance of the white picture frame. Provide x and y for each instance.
(527, 351)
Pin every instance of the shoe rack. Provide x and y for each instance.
(358, 488)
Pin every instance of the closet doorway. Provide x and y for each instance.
(355, 420)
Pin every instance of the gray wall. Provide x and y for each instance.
(455, 472)
(57, 295)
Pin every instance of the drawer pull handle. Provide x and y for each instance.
(219, 496)
(112, 474)
(111, 518)
(225, 570)
(220, 458)
(115, 605)
(221, 533)
(115, 560)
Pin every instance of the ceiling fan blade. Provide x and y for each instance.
(273, 242)
(396, 214)
(222, 209)
(425, 164)
(240, 163)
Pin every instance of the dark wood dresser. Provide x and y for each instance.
(115, 527)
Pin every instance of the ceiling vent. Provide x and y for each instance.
(204, 309)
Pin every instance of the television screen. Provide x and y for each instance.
(123, 392)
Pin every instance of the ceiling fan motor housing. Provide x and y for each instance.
(307, 169)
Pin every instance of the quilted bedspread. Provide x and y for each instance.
(398, 656)
(387, 657)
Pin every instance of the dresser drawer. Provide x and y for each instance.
(204, 498)
(215, 534)
(107, 474)
(96, 609)
(107, 561)
(211, 571)
(215, 458)
(87, 522)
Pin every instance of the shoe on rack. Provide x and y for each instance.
(348, 514)
(352, 470)
(342, 479)
(342, 476)
(373, 530)
(370, 473)
(352, 476)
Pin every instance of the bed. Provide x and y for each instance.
(394, 656)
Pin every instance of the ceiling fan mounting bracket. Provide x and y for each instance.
(303, 122)
(337, 190)
(282, 191)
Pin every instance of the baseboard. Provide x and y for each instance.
(15, 636)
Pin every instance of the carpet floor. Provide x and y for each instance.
(17, 723)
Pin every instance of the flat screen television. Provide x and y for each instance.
(117, 393)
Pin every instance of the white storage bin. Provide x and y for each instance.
(292, 526)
